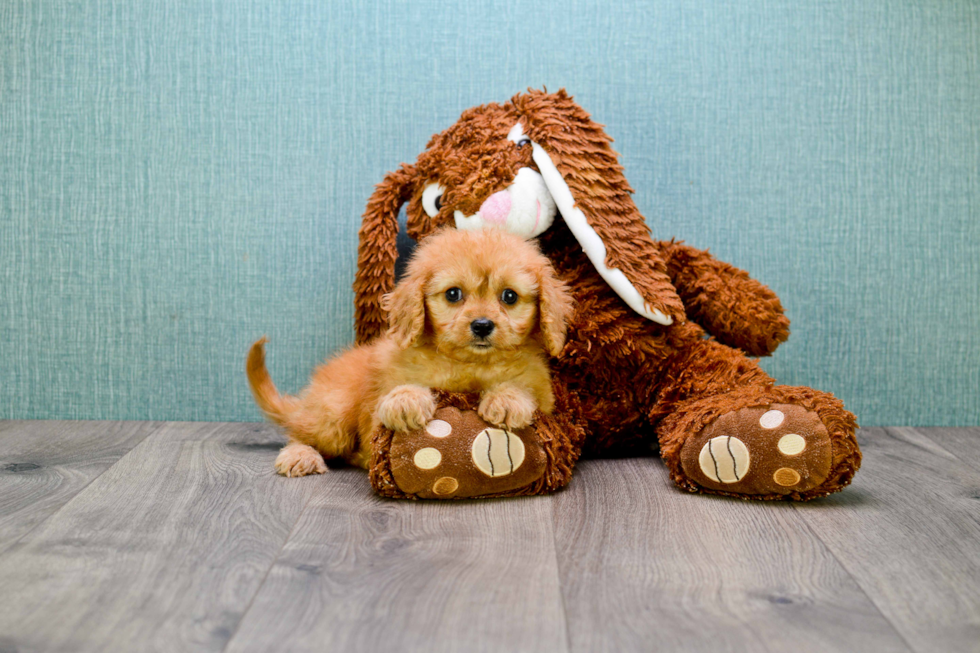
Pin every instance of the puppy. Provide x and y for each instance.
(478, 311)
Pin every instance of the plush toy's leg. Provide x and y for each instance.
(458, 455)
(725, 428)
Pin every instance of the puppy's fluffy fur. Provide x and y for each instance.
(433, 341)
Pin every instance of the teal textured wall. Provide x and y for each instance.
(178, 178)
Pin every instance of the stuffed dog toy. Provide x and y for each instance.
(659, 341)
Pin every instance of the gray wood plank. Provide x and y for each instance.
(43, 465)
(908, 530)
(361, 573)
(962, 442)
(643, 564)
(162, 552)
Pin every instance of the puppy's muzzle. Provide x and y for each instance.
(481, 327)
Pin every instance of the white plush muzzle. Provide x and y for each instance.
(525, 208)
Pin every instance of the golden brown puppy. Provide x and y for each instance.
(478, 311)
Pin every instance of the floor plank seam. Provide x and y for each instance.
(11, 545)
(816, 535)
(268, 571)
(561, 588)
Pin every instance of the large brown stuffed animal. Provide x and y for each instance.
(639, 366)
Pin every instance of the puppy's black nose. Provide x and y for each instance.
(481, 328)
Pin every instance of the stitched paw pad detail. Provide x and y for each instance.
(777, 449)
(458, 454)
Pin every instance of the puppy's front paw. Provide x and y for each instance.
(407, 408)
(299, 460)
(507, 405)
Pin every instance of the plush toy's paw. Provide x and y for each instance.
(507, 405)
(457, 454)
(406, 408)
(781, 449)
(299, 460)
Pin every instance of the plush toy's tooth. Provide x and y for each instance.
(590, 241)
(470, 222)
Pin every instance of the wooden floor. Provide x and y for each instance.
(179, 537)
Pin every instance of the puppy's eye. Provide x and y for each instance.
(432, 199)
(453, 295)
(524, 141)
(508, 297)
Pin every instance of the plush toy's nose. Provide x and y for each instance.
(482, 327)
(496, 208)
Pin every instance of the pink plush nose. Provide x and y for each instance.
(496, 208)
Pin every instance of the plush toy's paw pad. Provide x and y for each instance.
(299, 460)
(779, 449)
(458, 454)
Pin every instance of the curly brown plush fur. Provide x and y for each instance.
(676, 373)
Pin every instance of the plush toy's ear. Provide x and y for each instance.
(584, 177)
(377, 252)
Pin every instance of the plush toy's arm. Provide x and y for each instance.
(735, 308)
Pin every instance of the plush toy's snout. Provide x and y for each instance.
(525, 208)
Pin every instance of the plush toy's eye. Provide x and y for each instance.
(432, 199)
(453, 295)
(508, 297)
(524, 141)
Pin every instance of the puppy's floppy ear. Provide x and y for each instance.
(582, 173)
(554, 308)
(377, 252)
(406, 307)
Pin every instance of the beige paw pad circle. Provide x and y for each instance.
(497, 452)
(791, 444)
(724, 459)
(771, 419)
(438, 428)
(427, 458)
(786, 477)
(445, 485)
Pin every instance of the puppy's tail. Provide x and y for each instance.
(275, 406)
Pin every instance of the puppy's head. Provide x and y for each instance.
(477, 295)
